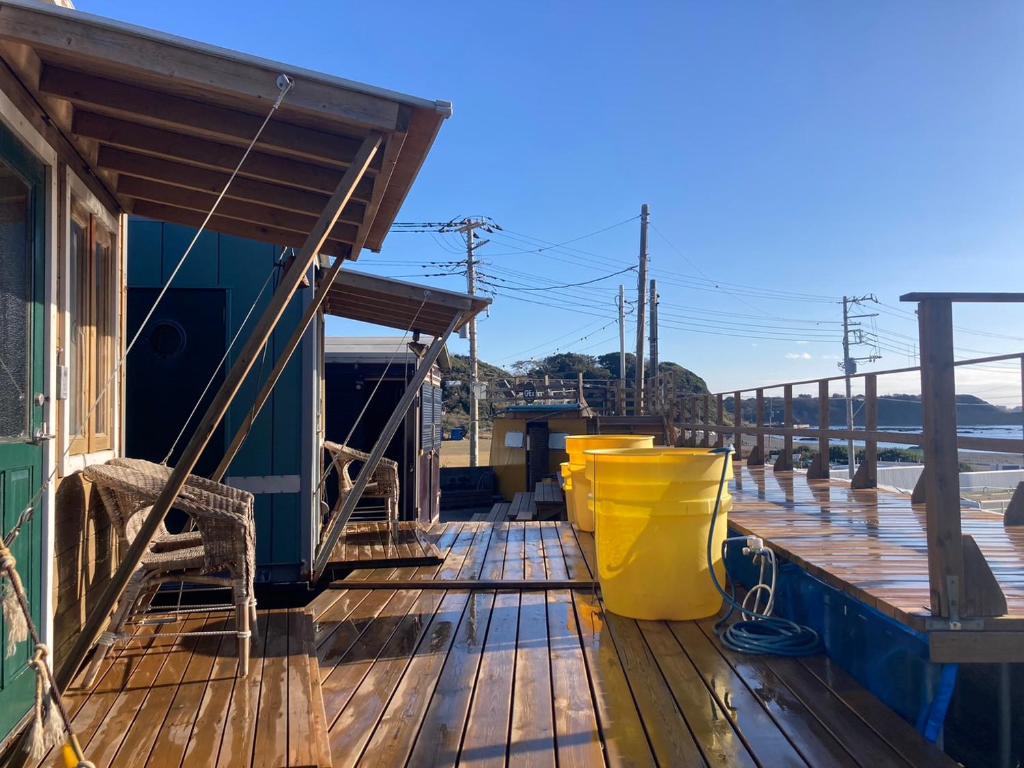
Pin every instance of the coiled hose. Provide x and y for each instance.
(757, 633)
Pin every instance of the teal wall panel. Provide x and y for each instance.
(274, 444)
(200, 269)
(146, 238)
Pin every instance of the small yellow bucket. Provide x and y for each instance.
(579, 505)
(653, 513)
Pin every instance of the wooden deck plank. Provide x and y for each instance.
(554, 557)
(575, 562)
(180, 720)
(239, 726)
(445, 718)
(271, 744)
(515, 552)
(576, 733)
(532, 738)
(394, 737)
(735, 700)
(212, 714)
(351, 729)
(494, 557)
(622, 728)
(485, 742)
(712, 730)
(670, 737)
(114, 741)
(534, 567)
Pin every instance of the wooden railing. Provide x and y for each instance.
(963, 589)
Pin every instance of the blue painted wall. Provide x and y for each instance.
(274, 446)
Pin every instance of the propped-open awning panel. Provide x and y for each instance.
(162, 121)
(398, 304)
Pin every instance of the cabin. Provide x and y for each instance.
(363, 380)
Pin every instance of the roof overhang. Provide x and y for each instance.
(397, 304)
(380, 350)
(160, 122)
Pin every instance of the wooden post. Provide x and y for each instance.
(756, 457)
(412, 389)
(100, 612)
(867, 473)
(579, 388)
(706, 437)
(785, 461)
(820, 467)
(737, 421)
(720, 421)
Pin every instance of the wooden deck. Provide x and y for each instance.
(162, 700)
(367, 545)
(869, 543)
(445, 668)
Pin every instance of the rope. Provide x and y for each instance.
(50, 720)
(231, 344)
(285, 84)
(412, 324)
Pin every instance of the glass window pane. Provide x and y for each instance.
(78, 304)
(103, 275)
(15, 305)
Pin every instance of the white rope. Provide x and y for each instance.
(231, 344)
(285, 84)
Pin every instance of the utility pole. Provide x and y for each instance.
(849, 366)
(469, 227)
(655, 392)
(622, 351)
(641, 305)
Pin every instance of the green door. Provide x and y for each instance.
(22, 355)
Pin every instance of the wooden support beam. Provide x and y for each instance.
(412, 389)
(757, 455)
(961, 584)
(820, 467)
(203, 152)
(160, 109)
(250, 213)
(236, 227)
(720, 421)
(785, 461)
(261, 333)
(867, 472)
(737, 420)
(1014, 514)
(322, 289)
(238, 206)
(126, 163)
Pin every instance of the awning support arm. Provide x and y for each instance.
(411, 391)
(218, 407)
(322, 289)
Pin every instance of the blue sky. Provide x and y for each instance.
(811, 148)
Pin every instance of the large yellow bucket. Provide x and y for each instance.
(579, 506)
(653, 509)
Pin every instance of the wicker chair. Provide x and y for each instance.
(220, 552)
(383, 482)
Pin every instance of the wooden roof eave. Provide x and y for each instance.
(156, 119)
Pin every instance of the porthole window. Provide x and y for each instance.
(167, 339)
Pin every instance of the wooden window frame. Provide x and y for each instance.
(96, 286)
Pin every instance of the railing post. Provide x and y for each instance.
(720, 420)
(705, 401)
(785, 461)
(756, 457)
(819, 469)
(737, 421)
(867, 473)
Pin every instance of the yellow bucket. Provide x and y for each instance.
(579, 506)
(653, 510)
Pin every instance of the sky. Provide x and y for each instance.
(791, 153)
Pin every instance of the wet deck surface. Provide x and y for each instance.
(543, 676)
(162, 700)
(869, 543)
(366, 545)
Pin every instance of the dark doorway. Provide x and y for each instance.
(169, 368)
(537, 453)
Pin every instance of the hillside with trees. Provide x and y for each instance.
(564, 365)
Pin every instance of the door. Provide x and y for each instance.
(537, 461)
(22, 358)
(168, 369)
